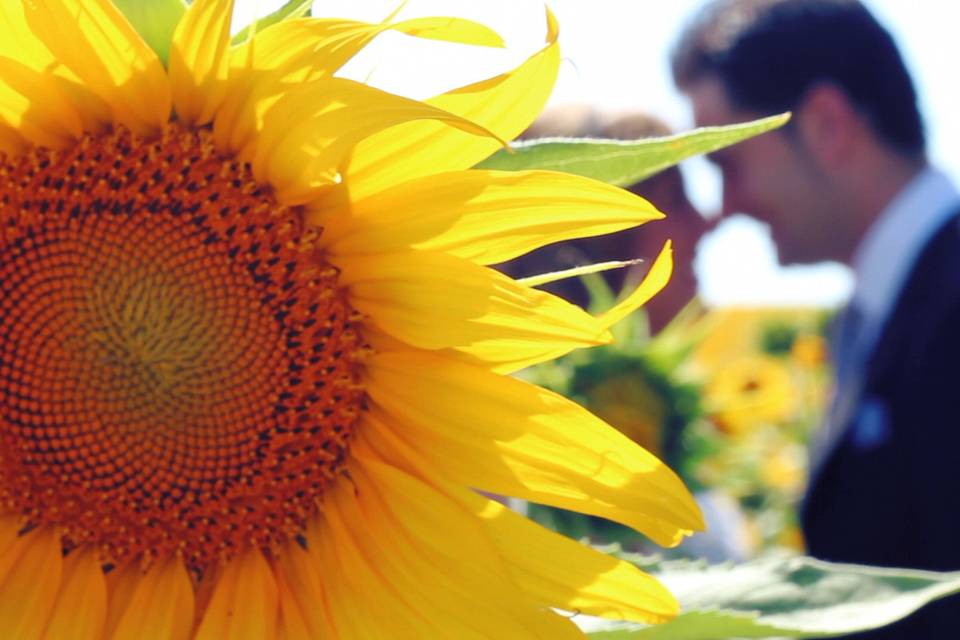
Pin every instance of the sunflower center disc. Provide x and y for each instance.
(177, 365)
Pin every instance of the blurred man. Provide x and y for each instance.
(847, 180)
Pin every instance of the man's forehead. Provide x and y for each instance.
(711, 107)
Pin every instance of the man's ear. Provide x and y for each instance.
(829, 124)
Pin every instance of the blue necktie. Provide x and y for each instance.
(845, 337)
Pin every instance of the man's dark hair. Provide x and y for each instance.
(769, 53)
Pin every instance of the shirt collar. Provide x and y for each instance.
(894, 242)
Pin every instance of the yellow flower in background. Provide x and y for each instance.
(809, 351)
(748, 392)
(733, 331)
(792, 538)
(784, 468)
(252, 359)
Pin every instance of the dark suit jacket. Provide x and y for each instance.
(889, 494)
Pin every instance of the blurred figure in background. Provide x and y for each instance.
(848, 180)
(683, 223)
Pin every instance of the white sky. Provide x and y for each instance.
(615, 56)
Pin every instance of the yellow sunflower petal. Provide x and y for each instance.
(199, 60)
(10, 526)
(484, 216)
(293, 52)
(95, 41)
(655, 280)
(393, 519)
(44, 115)
(291, 624)
(306, 135)
(11, 142)
(435, 301)
(390, 612)
(32, 104)
(245, 603)
(451, 30)
(503, 360)
(306, 49)
(19, 42)
(304, 607)
(160, 603)
(121, 584)
(570, 575)
(30, 569)
(554, 569)
(575, 272)
(506, 105)
(22, 43)
(518, 439)
(81, 607)
(288, 52)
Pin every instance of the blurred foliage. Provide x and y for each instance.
(778, 338)
(780, 596)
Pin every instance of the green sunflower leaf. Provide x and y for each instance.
(784, 597)
(290, 9)
(623, 163)
(155, 21)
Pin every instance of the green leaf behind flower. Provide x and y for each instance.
(155, 21)
(785, 596)
(623, 163)
(698, 625)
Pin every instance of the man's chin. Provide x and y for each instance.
(788, 255)
(800, 260)
(790, 251)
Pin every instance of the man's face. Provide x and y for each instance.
(771, 177)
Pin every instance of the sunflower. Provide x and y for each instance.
(252, 360)
(749, 392)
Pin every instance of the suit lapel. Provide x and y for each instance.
(929, 287)
(932, 286)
